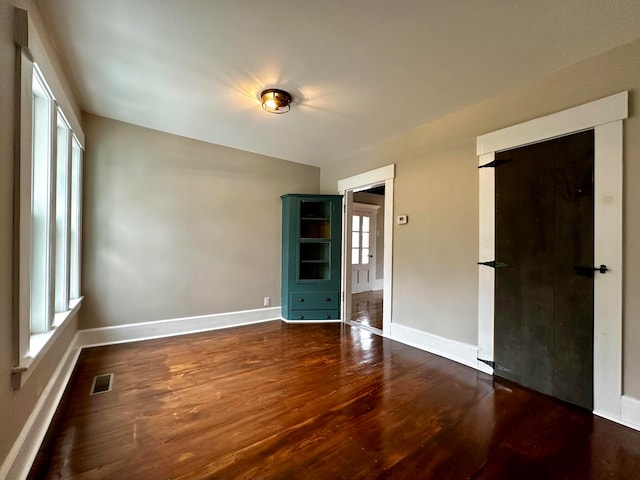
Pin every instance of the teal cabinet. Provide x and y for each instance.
(311, 251)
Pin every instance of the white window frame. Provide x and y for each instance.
(75, 227)
(31, 342)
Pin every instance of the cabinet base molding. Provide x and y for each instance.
(332, 320)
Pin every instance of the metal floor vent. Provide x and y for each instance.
(102, 384)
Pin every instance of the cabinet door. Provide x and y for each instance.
(318, 241)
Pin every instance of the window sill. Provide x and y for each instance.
(39, 345)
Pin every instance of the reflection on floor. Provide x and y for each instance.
(366, 308)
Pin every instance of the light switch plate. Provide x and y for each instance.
(402, 219)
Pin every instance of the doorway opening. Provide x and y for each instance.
(367, 257)
(367, 249)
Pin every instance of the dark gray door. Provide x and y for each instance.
(544, 294)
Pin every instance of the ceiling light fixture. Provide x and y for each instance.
(275, 101)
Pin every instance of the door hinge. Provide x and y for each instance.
(491, 363)
(493, 264)
(494, 365)
(496, 163)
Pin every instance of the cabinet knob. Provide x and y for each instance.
(328, 299)
(327, 317)
(300, 317)
(301, 299)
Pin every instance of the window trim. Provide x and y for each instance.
(29, 349)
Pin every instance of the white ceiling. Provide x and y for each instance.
(360, 71)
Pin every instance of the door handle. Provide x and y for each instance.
(588, 271)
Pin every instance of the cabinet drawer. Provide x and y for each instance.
(313, 300)
(315, 315)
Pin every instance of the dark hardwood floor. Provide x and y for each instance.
(366, 308)
(317, 401)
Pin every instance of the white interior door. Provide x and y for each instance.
(362, 251)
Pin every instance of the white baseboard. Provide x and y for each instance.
(467, 355)
(378, 284)
(630, 409)
(24, 450)
(175, 326)
(451, 349)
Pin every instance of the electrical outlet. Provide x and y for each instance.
(267, 301)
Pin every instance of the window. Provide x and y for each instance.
(63, 213)
(41, 199)
(360, 239)
(49, 226)
(56, 159)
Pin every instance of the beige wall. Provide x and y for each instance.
(175, 227)
(16, 406)
(434, 270)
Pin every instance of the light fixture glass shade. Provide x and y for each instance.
(275, 101)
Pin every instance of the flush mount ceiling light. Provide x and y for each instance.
(275, 101)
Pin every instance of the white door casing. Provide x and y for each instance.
(605, 117)
(363, 181)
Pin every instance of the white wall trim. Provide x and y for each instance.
(583, 117)
(134, 332)
(631, 411)
(364, 180)
(605, 117)
(444, 347)
(24, 450)
(366, 207)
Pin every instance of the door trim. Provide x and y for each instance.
(363, 181)
(605, 117)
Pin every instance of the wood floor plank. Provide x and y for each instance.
(318, 401)
(366, 308)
